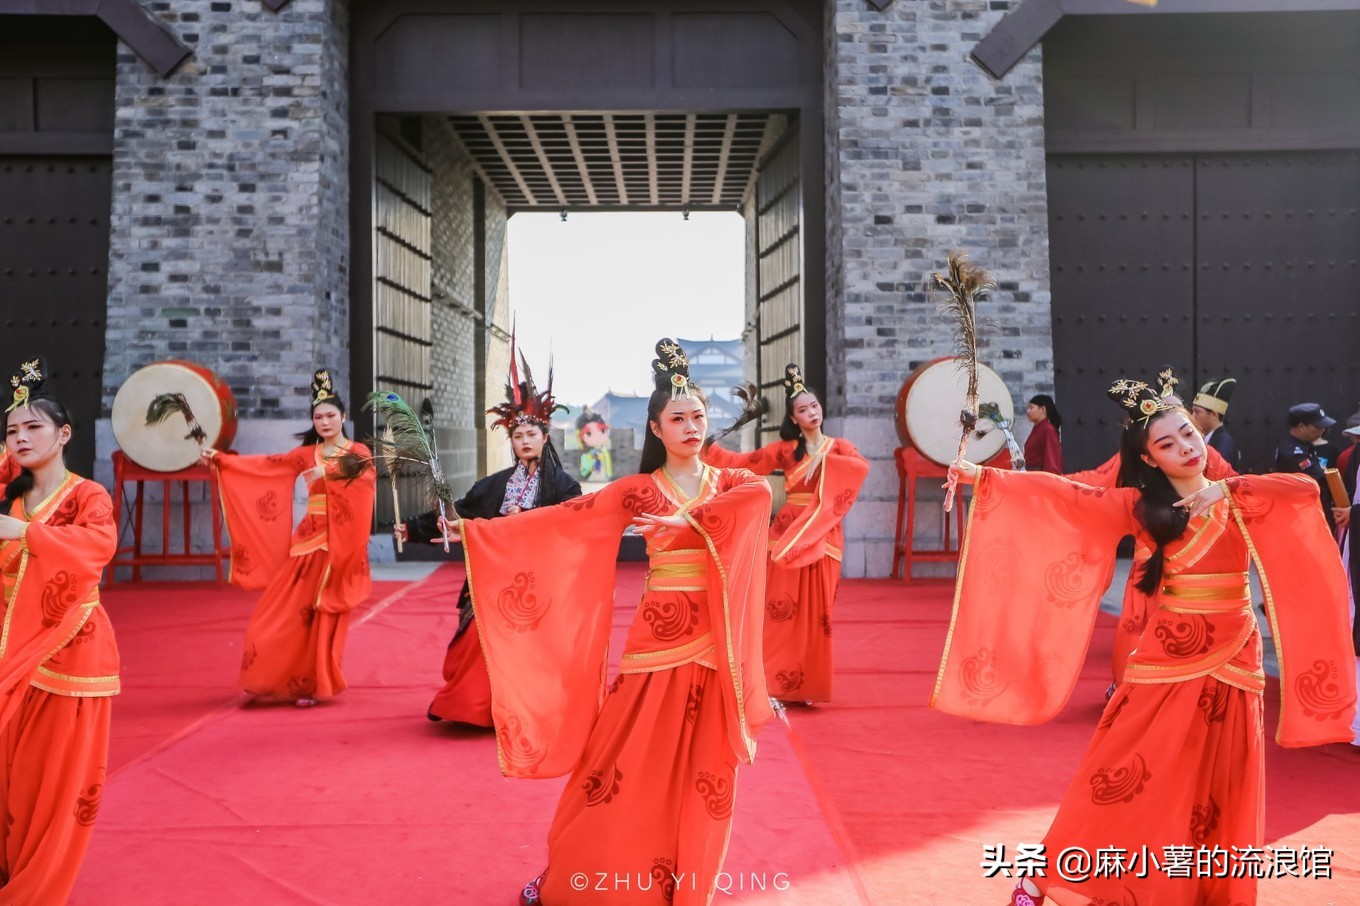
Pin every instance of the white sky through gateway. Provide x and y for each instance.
(600, 289)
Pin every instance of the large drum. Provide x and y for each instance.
(164, 447)
(928, 407)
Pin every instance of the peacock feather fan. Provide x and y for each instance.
(164, 405)
(407, 445)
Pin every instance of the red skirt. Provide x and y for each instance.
(646, 815)
(53, 755)
(466, 696)
(797, 639)
(1177, 765)
(293, 650)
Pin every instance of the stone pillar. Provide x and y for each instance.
(926, 154)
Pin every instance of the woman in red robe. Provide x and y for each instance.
(536, 480)
(1133, 613)
(1043, 447)
(58, 657)
(1176, 763)
(312, 576)
(653, 757)
(822, 477)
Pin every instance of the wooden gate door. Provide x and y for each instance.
(402, 330)
(779, 272)
(54, 257)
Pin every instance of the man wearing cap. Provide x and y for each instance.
(1296, 453)
(1207, 410)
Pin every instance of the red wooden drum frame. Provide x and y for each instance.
(928, 406)
(164, 447)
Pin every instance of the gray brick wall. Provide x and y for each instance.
(230, 237)
(926, 154)
(498, 319)
(460, 411)
(454, 323)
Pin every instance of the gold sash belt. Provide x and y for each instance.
(1228, 588)
(678, 570)
(699, 649)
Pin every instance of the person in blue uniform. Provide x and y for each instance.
(1298, 451)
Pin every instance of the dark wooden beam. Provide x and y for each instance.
(276, 5)
(57, 143)
(1025, 26)
(137, 28)
(148, 38)
(48, 7)
(1014, 35)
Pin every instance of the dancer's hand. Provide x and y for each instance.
(450, 532)
(315, 473)
(11, 529)
(1202, 500)
(206, 455)
(401, 533)
(963, 471)
(654, 526)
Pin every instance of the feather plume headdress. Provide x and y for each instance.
(524, 403)
(670, 368)
(28, 383)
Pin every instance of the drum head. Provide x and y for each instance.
(164, 447)
(928, 408)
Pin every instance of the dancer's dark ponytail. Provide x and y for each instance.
(1156, 509)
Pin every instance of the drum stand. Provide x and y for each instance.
(912, 466)
(125, 470)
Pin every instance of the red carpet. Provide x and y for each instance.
(919, 793)
(872, 799)
(362, 800)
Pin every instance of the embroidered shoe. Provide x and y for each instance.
(304, 702)
(529, 895)
(1019, 897)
